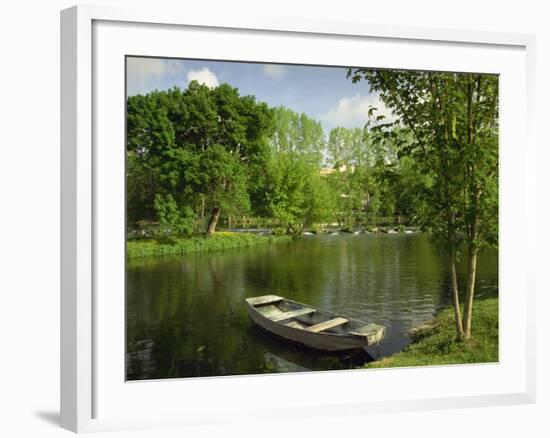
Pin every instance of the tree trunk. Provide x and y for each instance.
(455, 295)
(213, 221)
(472, 256)
(469, 303)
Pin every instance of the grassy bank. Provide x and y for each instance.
(436, 344)
(161, 246)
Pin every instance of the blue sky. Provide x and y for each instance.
(323, 93)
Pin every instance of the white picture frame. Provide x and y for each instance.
(88, 357)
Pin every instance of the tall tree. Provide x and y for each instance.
(299, 196)
(208, 144)
(296, 132)
(454, 120)
(349, 147)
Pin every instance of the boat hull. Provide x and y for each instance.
(317, 341)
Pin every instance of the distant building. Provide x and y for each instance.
(330, 170)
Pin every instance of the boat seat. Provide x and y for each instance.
(264, 299)
(292, 314)
(325, 325)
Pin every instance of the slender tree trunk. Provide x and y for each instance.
(455, 295)
(470, 293)
(470, 288)
(473, 232)
(213, 221)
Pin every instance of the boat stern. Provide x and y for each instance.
(373, 332)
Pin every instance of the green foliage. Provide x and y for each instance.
(142, 184)
(297, 133)
(154, 247)
(437, 344)
(298, 195)
(149, 127)
(207, 146)
(219, 175)
(287, 200)
(370, 174)
(173, 219)
(349, 147)
(321, 200)
(452, 119)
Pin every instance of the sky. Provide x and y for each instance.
(323, 93)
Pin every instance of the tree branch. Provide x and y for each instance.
(405, 115)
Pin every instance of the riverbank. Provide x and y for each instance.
(168, 245)
(435, 343)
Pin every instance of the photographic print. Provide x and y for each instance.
(298, 218)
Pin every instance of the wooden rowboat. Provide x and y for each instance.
(314, 328)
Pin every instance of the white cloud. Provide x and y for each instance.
(146, 74)
(274, 71)
(351, 112)
(203, 76)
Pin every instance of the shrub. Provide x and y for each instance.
(172, 219)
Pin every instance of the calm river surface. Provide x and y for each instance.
(186, 315)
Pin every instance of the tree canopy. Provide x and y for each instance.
(208, 145)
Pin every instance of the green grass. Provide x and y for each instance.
(437, 344)
(161, 246)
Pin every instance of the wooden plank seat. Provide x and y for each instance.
(325, 325)
(292, 314)
(263, 300)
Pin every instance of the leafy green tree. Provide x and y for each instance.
(231, 138)
(299, 196)
(320, 201)
(209, 146)
(287, 196)
(454, 121)
(348, 147)
(221, 176)
(295, 132)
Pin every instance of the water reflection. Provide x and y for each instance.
(186, 316)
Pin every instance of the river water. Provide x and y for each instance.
(186, 315)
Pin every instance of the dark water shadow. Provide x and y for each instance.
(51, 417)
(308, 359)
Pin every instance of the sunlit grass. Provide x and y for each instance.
(172, 245)
(438, 345)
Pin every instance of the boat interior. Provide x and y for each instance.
(296, 315)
